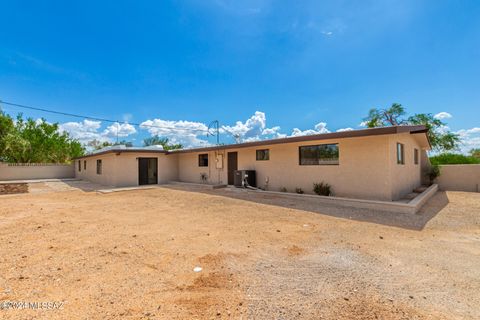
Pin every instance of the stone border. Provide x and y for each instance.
(412, 207)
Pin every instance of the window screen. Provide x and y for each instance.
(203, 160)
(323, 154)
(263, 154)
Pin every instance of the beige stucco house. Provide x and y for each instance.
(378, 164)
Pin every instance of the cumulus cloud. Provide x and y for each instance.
(470, 139)
(442, 115)
(120, 130)
(88, 130)
(188, 133)
(344, 129)
(83, 131)
(320, 127)
(253, 129)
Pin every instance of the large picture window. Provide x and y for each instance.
(203, 160)
(323, 154)
(263, 154)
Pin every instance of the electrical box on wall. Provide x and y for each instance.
(219, 161)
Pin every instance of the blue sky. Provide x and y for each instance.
(262, 68)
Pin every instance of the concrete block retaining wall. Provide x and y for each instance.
(31, 171)
(459, 177)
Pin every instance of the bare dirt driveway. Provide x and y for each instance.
(131, 255)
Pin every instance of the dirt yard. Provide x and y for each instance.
(131, 255)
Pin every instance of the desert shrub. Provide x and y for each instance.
(433, 173)
(322, 189)
(453, 158)
(283, 189)
(299, 190)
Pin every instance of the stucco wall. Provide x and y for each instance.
(404, 177)
(459, 177)
(107, 177)
(122, 170)
(35, 171)
(367, 167)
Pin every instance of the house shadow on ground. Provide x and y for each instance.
(400, 220)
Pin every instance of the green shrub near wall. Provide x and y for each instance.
(453, 158)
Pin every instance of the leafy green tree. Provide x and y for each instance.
(453, 158)
(440, 138)
(30, 141)
(164, 142)
(475, 153)
(384, 117)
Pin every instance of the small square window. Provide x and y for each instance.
(203, 160)
(400, 153)
(263, 154)
(99, 166)
(415, 156)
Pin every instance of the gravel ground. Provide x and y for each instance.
(131, 255)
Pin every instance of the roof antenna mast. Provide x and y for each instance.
(216, 126)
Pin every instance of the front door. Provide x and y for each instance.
(147, 171)
(232, 166)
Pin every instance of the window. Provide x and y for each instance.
(84, 164)
(415, 156)
(79, 165)
(400, 154)
(99, 166)
(263, 154)
(203, 160)
(323, 154)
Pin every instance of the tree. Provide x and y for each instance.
(383, 117)
(37, 141)
(440, 138)
(156, 140)
(475, 153)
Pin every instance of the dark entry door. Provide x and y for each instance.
(147, 171)
(232, 166)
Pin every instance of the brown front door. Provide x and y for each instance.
(232, 166)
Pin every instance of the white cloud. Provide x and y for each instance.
(344, 129)
(363, 124)
(253, 129)
(470, 139)
(83, 131)
(88, 130)
(320, 127)
(187, 133)
(120, 130)
(442, 115)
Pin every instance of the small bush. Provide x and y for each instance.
(453, 158)
(299, 190)
(433, 173)
(322, 189)
(283, 189)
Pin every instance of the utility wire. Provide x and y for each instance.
(98, 119)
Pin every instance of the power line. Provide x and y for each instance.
(96, 118)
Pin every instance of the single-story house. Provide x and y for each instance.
(379, 163)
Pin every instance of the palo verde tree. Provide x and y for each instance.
(440, 138)
(35, 141)
(164, 142)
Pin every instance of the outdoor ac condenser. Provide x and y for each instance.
(243, 178)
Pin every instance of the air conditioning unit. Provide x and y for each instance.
(243, 178)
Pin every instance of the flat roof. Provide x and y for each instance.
(313, 137)
(322, 136)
